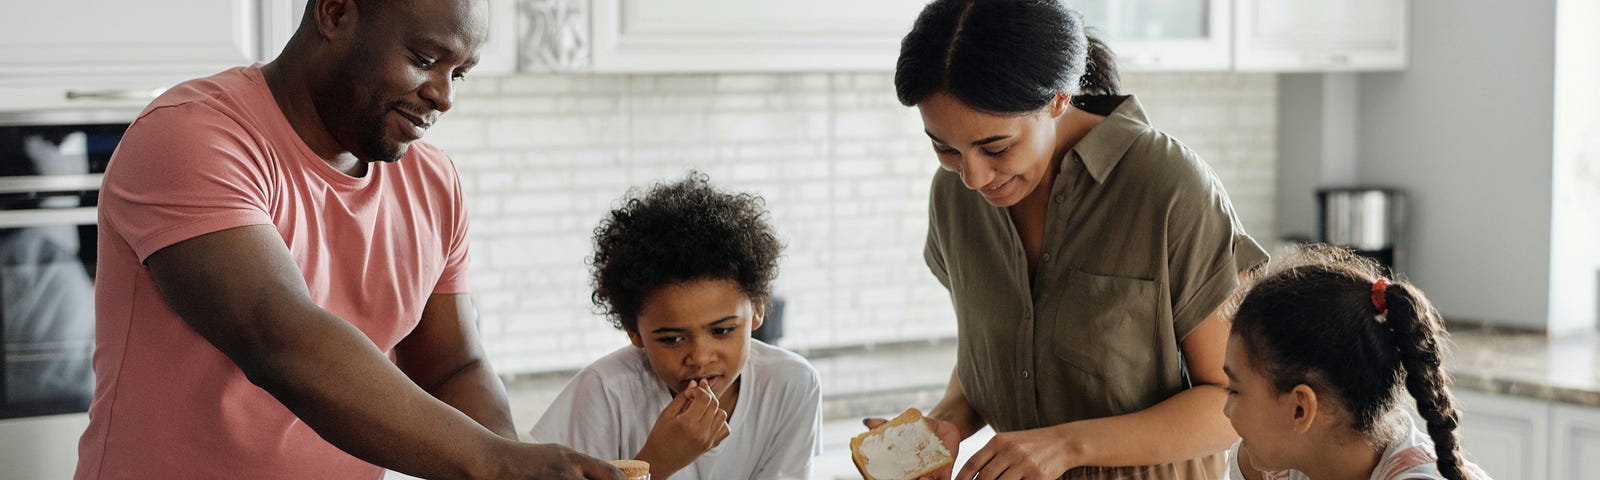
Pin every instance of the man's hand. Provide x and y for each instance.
(540, 461)
(948, 434)
(690, 426)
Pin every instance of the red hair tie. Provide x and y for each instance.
(1380, 301)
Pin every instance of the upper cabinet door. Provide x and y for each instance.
(117, 55)
(749, 35)
(86, 38)
(1321, 35)
(1163, 35)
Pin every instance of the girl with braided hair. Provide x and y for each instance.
(1319, 353)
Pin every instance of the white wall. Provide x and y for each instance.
(843, 166)
(1316, 144)
(1575, 228)
(1466, 128)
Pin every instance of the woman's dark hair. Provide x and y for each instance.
(1002, 56)
(1315, 320)
(680, 232)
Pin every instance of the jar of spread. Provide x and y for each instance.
(633, 469)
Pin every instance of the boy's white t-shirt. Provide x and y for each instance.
(1410, 458)
(608, 409)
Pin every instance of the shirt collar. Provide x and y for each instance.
(1106, 144)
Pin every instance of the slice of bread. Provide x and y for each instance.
(901, 449)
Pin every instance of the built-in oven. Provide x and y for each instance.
(50, 172)
(49, 181)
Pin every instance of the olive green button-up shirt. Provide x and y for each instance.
(1140, 246)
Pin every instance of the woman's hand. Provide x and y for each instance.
(1038, 454)
(948, 434)
(690, 426)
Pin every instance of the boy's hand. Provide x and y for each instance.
(691, 425)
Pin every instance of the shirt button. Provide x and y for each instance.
(1024, 374)
(1044, 257)
(1061, 198)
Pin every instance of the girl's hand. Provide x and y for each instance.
(1038, 454)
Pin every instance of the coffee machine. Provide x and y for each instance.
(1367, 220)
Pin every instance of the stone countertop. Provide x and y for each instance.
(1561, 369)
(883, 380)
(1566, 369)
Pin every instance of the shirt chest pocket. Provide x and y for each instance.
(1106, 326)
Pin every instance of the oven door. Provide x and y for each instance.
(49, 180)
(47, 311)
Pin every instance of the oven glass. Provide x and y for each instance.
(49, 180)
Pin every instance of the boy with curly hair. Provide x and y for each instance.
(686, 271)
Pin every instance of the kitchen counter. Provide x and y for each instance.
(885, 379)
(882, 380)
(1530, 365)
(858, 382)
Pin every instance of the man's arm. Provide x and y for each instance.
(240, 290)
(445, 357)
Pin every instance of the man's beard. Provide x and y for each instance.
(374, 146)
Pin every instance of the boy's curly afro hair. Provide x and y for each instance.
(679, 232)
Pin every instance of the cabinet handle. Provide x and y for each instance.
(35, 184)
(116, 94)
(1332, 59)
(48, 216)
(1147, 59)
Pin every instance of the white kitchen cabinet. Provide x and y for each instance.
(1163, 35)
(1506, 436)
(1577, 443)
(670, 36)
(1320, 35)
(66, 53)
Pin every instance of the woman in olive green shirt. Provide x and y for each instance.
(1087, 254)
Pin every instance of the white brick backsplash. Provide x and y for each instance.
(843, 167)
(767, 126)
(681, 84)
(554, 131)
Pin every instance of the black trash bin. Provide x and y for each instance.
(771, 330)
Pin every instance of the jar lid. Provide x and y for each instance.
(633, 469)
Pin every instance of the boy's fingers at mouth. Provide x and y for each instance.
(679, 404)
(716, 402)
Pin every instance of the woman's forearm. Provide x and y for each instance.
(953, 408)
(1187, 425)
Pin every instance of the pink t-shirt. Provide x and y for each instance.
(217, 153)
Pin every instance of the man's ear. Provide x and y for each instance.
(1305, 407)
(333, 18)
(633, 336)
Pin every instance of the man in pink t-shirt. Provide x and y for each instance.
(283, 270)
